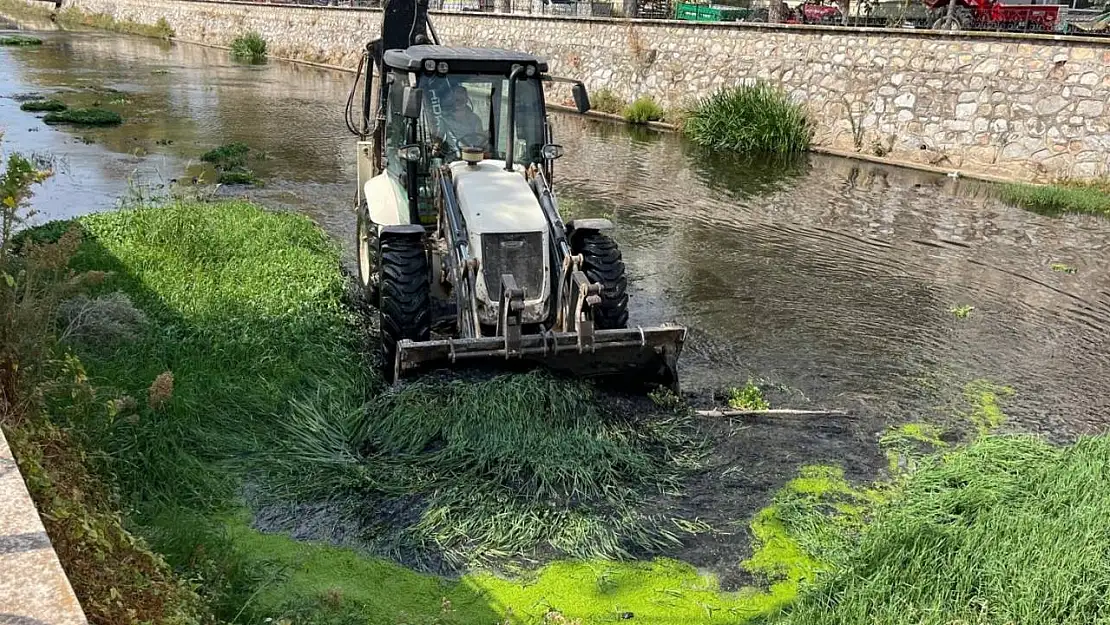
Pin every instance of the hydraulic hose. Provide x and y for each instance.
(348, 113)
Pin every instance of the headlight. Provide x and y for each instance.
(442, 67)
(430, 65)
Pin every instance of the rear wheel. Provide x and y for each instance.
(405, 306)
(602, 263)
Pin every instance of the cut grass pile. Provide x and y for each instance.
(1070, 197)
(20, 41)
(43, 105)
(521, 465)
(757, 118)
(84, 117)
(249, 46)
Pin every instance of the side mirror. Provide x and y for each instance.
(410, 152)
(581, 98)
(551, 151)
(411, 100)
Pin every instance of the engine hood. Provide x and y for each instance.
(494, 200)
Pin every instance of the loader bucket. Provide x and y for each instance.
(646, 356)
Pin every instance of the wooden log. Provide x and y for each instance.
(772, 411)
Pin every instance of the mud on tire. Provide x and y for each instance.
(404, 308)
(602, 263)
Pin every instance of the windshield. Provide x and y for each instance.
(473, 109)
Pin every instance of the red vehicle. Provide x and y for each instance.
(814, 12)
(992, 14)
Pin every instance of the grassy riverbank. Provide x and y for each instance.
(218, 357)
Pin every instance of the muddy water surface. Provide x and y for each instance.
(830, 281)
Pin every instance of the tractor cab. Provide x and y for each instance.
(478, 105)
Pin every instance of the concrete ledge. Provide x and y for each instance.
(34, 590)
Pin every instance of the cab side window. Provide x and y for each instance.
(397, 129)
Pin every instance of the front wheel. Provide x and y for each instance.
(404, 310)
(366, 249)
(602, 263)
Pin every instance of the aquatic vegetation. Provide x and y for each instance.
(84, 117)
(230, 161)
(249, 46)
(984, 399)
(748, 397)
(20, 40)
(643, 110)
(43, 105)
(509, 466)
(606, 101)
(756, 118)
(1066, 197)
(1005, 526)
(963, 311)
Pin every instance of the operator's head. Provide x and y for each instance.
(458, 99)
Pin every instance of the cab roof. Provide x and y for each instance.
(462, 60)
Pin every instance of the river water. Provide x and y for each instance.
(829, 281)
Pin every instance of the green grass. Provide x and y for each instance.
(757, 118)
(748, 397)
(230, 161)
(20, 40)
(606, 101)
(249, 46)
(1062, 268)
(643, 110)
(512, 466)
(1007, 530)
(963, 311)
(1069, 197)
(84, 117)
(43, 105)
(73, 16)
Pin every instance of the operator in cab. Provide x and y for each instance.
(457, 120)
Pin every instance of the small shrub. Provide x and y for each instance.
(227, 156)
(643, 110)
(606, 101)
(1063, 268)
(750, 118)
(20, 40)
(43, 105)
(162, 29)
(84, 117)
(250, 46)
(750, 397)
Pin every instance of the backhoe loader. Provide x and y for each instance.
(460, 243)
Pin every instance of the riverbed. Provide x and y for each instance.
(828, 281)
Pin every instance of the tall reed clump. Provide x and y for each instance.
(249, 46)
(755, 118)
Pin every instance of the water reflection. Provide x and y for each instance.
(831, 277)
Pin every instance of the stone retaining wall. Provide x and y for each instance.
(1020, 106)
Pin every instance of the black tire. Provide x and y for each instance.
(404, 310)
(366, 252)
(602, 263)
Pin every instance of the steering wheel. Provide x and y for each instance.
(474, 140)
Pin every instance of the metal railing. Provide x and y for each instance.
(1070, 19)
